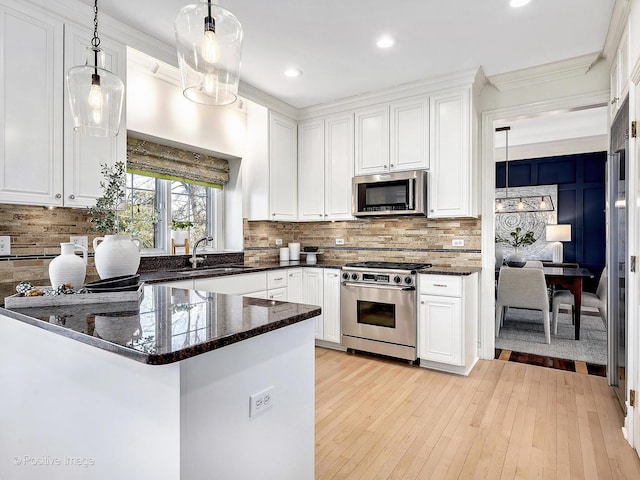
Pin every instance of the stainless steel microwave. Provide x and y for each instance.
(398, 193)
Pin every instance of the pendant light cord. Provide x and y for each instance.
(95, 41)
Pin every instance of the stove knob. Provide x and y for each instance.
(408, 280)
(397, 279)
(354, 276)
(345, 276)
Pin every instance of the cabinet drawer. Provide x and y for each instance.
(443, 285)
(276, 279)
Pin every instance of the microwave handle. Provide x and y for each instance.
(412, 185)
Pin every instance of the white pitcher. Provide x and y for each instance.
(116, 255)
(68, 267)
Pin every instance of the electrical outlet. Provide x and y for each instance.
(80, 240)
(339, 241)
(278, 241)
(5, 245)
(457, 242)
(261, 401)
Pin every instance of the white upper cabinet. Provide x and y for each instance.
(283, 178)
(619, 76)
(393, 137)
(451, 181)
(311, 174)
(31, 85)
(372, 140)
(45, 162)
(409, 137)
(84, 154)
(325, 168)
(338, 167)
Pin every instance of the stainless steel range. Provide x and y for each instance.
(378, 307)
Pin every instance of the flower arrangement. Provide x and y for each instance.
(105, 216)
(518, 239)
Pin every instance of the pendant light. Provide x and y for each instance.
(209, 44)
(519, 204)
(95, 94)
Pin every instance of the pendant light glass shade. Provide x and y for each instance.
(209, 44)
(96, 96)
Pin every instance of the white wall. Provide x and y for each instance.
(158, 109)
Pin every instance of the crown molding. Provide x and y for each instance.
(474, 77)
(272, 103)
(617, 26)
(568, 146)
(550, 72)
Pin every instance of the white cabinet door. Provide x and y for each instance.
(450, 181)
(372, 140)
(331, 305)
(440, 329)
(312, 284)
(259, 294)
(311, 173)
(83, 154)
(409, 135)
(283, 198)
(234, 284)
(295, 292)
(31, 86)
(339, 154)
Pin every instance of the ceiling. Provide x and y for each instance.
(333, 41)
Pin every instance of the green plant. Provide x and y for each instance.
(105, 215)
(518, 239)
(180, 225)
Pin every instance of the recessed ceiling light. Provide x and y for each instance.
(518, 3)
(386, 41)
(293, 72)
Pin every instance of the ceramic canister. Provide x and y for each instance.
(284, 254)
(294, 251)
(68, 267)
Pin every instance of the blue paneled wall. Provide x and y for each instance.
(581, 200)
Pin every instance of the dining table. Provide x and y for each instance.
(570, 278)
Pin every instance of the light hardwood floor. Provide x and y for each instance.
(380, 419)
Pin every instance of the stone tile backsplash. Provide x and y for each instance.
(38, 231)
(387, 239)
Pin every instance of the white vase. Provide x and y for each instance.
(499, 255)
(68, 267)
(116, 255)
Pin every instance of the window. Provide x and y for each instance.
(152, 203)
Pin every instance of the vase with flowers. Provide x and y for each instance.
(517, 239)
(116, 253)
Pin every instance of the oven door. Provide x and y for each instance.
(383, 313)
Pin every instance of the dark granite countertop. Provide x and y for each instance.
(168, 324)
(456, 271)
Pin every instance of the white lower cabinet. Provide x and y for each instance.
(312, 292)
(448, 322)
(331, 306)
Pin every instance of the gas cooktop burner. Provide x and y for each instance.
(390, 265)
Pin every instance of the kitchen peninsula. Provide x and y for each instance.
(185, 384)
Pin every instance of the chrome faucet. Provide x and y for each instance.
(195, 259)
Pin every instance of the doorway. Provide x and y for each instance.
(550, 184)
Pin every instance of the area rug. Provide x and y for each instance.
(523, 331)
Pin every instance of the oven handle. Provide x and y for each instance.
(379, 287)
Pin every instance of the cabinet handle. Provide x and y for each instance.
(385, 166)
(422, 302)
(278, 279)
(319, 214)
(72, 196)
(614, 100)
(273, 214)
(439, 285)
(432, 210)
(391, 165)
(58, 195)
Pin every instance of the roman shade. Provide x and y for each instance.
(162, 161)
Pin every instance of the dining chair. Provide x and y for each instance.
(596, 300)
(523, 288)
